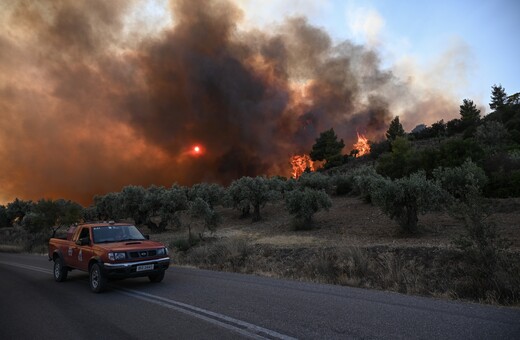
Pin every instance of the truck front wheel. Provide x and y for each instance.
(97, 279)
(157, 277)
(60, 271)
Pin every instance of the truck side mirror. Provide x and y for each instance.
(147, 237)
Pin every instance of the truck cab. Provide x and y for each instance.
(108, 250)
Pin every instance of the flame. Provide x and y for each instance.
(362, 145)
(299, 164)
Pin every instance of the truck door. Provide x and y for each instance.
(81, 254)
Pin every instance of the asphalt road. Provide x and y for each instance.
(200, 304)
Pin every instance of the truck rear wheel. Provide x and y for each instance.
(157, 277)
(97, 279)
(60, 271)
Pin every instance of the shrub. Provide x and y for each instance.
(343, 183)
(303, 204)
(364, 180)
(459, 181)
(403, 199)
(488, 272)
(314, 180)
(184, 244)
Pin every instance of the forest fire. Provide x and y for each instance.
(362, 145)
(300, 164)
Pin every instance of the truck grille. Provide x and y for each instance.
(142, 253)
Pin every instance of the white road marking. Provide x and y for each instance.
(26, 266)
(244, 328)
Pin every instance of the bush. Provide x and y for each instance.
(314, 180)
(364, 180)
(343, 183)
(303, 204)
(403, 199)
(459, 181)
(184, 244)
(488, 272)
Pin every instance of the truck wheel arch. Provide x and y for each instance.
(57, 253)
(95, 259)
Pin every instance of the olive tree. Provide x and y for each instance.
(108, 207)
(131, 199)
(403, 199)
(303, 204)
(463, 181)
(314, 180)
(200, 209)
(161, 207)
(248, 192)
(210, 193)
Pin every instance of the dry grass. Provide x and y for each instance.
(355, 244)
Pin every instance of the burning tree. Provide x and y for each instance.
(300, 164)
(362, 147)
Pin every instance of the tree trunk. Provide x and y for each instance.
(256, 213)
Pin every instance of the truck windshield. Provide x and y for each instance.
(116, 233)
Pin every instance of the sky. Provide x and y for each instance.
(96, 95)
(478, 36)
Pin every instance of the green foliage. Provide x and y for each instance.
(403, 199)
(487, 269)
(211, 193)
(498, 97)
(17, 209)
(108, 207)
(200, 209)
(397, 163)
(45, 214)
(454, 127)
(492, 135)
(344, 184)
(314, 180)
(437, 130)
(455, 151)
(328, 148)
(469, 113)
(503, 169)
(379, 148)
(248, 192)
(365, 179)
(394, 130)
(460, 181)
(132, 198)
(184, 244)
(4, 220)
(303, 204)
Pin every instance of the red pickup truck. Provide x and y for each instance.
(108, 250)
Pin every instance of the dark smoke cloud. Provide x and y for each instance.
(86, 110)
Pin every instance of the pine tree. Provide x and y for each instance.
(498, 97)
(395, 130)
(469, 112)
(327, 147)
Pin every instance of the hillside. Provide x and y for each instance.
(352, 244)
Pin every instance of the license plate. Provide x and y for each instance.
(144, 267)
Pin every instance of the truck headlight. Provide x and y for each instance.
(162, 251)
(116, 256)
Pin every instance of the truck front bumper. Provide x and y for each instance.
(133, 269)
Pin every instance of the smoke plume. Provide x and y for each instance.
(89, 106)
